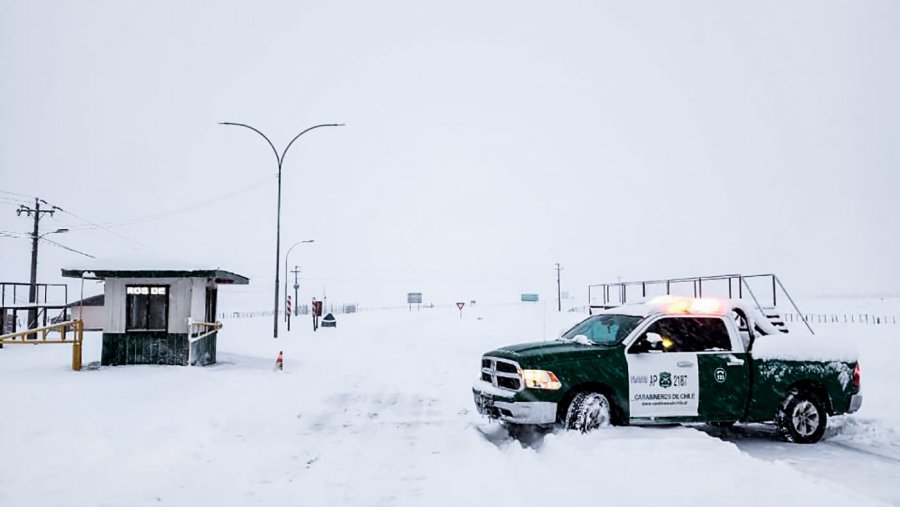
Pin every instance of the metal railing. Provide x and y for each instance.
(738, 287)
(199, 330)
(202, 342)
(77, 338)
(10, 319)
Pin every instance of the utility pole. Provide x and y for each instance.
(296, 272)
(558, 289)
(36, 213)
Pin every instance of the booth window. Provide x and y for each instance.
(147, 308)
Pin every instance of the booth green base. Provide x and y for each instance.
(144, 348)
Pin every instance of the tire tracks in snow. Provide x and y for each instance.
(868, 452)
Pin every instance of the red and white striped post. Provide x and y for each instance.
(287, 311)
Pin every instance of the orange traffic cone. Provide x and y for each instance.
(279, 363)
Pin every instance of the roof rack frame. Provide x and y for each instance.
(697, 287)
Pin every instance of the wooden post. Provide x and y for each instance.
(76, 345)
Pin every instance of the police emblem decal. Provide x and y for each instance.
(665, 379)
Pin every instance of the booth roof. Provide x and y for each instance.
(220, 276)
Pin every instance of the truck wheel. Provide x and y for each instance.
(588, 411)
(801, 418)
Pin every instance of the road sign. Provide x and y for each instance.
(530, 298)
(460, 305)
(287, 306)
(414, 298)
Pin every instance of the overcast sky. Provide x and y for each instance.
(485, 141)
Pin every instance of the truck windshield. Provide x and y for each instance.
(607, 329)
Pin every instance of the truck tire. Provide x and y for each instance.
(588, 411)
(801, 418)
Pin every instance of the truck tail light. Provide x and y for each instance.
(856, 376)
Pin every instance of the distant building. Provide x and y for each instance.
(88, 310)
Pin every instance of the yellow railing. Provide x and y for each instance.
(201, 329)
(76, 326)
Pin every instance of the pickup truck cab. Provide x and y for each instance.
(670, 360)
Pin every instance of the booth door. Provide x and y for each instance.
(212, 294)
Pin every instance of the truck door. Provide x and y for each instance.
(663, 373)
(724, 369)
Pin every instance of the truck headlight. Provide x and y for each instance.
(540, 379)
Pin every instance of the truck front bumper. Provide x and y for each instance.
(499, 404)
(855, 403)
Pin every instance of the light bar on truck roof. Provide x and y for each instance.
(679, 304)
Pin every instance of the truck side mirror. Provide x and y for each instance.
(649, 342)
(655, 342)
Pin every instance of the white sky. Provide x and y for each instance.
(484, 140)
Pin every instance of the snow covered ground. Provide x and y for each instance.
(379, 412)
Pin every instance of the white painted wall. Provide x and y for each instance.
(94, 317)
(182, 302)
(198, 299)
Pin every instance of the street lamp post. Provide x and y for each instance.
(279, 158)
(286, 257)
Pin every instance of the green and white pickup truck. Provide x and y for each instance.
(672, 360)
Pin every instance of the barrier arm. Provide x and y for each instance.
(76, 341)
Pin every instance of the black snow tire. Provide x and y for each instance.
(588, 411)
(801, 418)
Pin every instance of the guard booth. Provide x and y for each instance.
(159, 316)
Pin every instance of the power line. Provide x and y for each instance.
(13, 200)
(107, 229)
(107, 226)
(15, 194)
(60, 245)
(181, 210)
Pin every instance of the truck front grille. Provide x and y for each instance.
(501, 373)
(507, 367)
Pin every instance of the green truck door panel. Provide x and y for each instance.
(663, 386)
(696, 378)
(724, 385)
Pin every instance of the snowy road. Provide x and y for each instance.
(379, 412)
(869, 469)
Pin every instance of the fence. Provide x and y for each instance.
(842, 318)
(301, 310)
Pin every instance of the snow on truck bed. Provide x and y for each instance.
(796, 346)
(375, 412)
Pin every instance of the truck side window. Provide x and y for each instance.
(708, 335)
(686, 334)
(670, 330)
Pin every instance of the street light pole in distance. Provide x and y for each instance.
(279, 158)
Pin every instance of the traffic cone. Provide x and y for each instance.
(279, 363)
